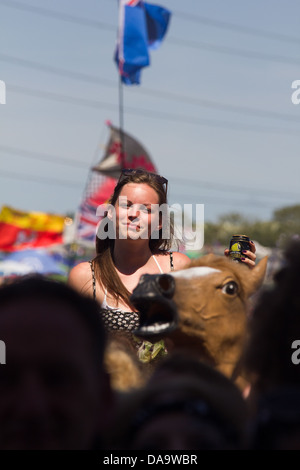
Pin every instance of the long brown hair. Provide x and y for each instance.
(105, 270)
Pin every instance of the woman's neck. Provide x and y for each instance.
(128, 257)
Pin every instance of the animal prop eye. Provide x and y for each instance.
(230, 288)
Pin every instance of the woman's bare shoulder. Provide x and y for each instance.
(180, 260)
(80, 277)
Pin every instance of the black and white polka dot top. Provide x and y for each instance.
(116, 318)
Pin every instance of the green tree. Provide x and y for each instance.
(288, 219)
(285, 223)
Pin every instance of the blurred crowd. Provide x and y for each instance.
(55, 392)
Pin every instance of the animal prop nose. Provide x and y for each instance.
(152, 298)
(166, 285)
(151, 285)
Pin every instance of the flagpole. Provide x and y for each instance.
(121, 121)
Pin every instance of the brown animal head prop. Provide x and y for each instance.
(202, 308)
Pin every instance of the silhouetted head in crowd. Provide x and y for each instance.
(272, 359)
(184, 406)
(276, 423)
(271, 351)
(54, 392)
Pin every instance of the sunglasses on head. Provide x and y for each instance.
(136, 171)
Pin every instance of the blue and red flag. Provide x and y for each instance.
(142, 26)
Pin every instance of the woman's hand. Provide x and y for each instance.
(249, 257)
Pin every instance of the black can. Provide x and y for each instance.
(238, 243)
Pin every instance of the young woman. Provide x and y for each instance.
(137, 240)
(136, 244)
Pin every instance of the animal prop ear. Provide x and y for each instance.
(256, 276)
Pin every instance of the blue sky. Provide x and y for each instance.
(214, 108)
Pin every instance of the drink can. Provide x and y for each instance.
(238, 243)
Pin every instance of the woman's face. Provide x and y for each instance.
(137, 214)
